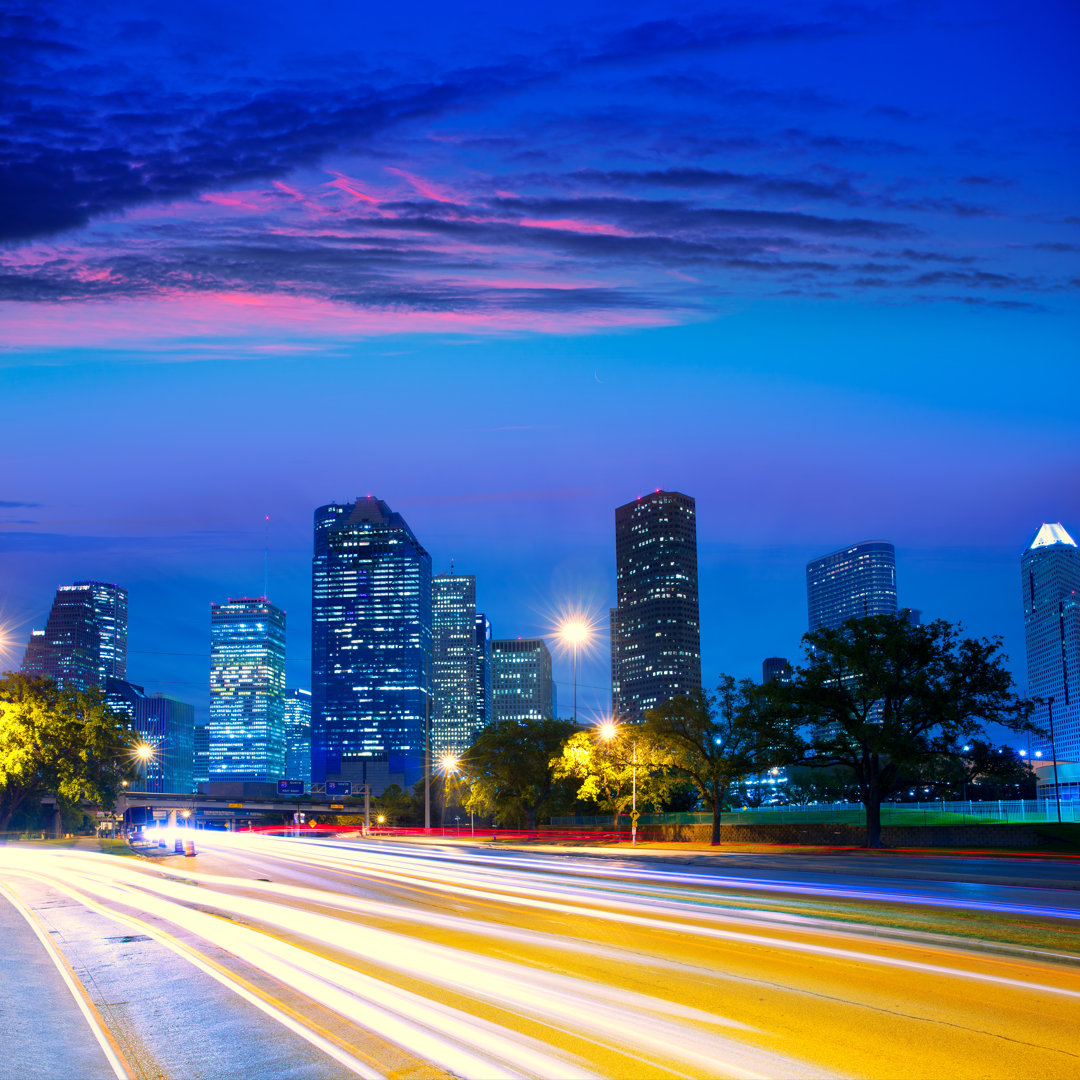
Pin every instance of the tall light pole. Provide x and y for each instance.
(1053, 751)
(449, 764)
(609, 730)
(574, 632)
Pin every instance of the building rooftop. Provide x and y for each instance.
(1049, 534)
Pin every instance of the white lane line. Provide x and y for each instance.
(90, 1013)
(327, 1047)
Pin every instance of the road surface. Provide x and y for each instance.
(305, 958)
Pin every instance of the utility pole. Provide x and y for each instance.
(367, 809)
(427, 745)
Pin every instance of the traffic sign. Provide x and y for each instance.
(290, 787)
(339, 789)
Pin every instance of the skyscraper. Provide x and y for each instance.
(85, 638)
(200, 758)
(1050, 579)
(521, 686)
(484, 706)
(370, 636)
(775, 669)
(655, 631)
(247, 688)
(167, 726)
(298, 735)
(454, 712)
(851, 583)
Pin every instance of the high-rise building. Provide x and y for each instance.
(166, 726)
(200, 758)
(298, 735)
(370, 636)
(483, 671)
(655, 630)
(454, 667)
(1050, 579)
(521, 686)
(247, 691)
(85, 637)
(851, 583)
(775, 669)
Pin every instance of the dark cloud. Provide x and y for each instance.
(10, 504)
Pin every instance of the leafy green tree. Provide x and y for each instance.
(885, 697)
(508, 774)
(607, 770)
(982, 770)
(718, 740)
(58, 742)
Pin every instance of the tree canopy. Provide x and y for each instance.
(883, 697)
(508, 774)
(57, 742)
(717, 740)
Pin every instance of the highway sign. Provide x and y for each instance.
(338, 789)
(290, 787)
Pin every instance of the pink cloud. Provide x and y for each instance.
(573, 226)
(425, 187)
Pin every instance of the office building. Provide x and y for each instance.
(200, 758)
(247, 691)
(655, 631)
(370, 636)
(483, 671)
(455, 715)
(85, 637)
(163, 724)
(521, 685)
(775, 669)
(1050, 579)
(851, 583)
(298, 735)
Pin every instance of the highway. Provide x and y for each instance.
(323, 958)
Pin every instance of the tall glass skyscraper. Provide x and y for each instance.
(851, 583)
(484, 705)
(167, 726)
(521, 686)
(85, 638)
(298, 735)
(454, 711)
(247, 691)
(1050, 579)
(655, 629)
(370, 636)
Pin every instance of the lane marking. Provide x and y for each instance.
(113, 1054)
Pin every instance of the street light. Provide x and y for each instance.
(609, 731)
(449, 765)
(1053, 752)
(575, 631)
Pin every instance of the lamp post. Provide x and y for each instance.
(574, 632)
(609, 730)
(449, 765)
(1053, 751)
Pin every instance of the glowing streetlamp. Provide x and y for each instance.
(608, 731)
(449, 765)
(575, 632)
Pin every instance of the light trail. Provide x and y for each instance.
(539, 967)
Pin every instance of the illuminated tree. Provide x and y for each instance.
(57, 742)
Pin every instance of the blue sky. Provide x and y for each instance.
(813, 264)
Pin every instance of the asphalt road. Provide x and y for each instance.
(301, 958)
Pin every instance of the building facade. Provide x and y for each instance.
(655, 627)
(776, 669)
(370, 636)
(851, 583)
(1050, 580)
(298, 735)
(200, 758)
(484, 708)
(521, 685)
(167, 727)
(455, 712)
(85, 637)
(247, 691)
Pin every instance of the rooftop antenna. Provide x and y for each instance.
(451, 567)
(266, 562)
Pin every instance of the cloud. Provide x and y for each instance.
(10, 504)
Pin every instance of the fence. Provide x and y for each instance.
(941, 812)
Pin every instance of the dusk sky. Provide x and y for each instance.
(507, 267)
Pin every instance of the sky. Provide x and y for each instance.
(508, 267)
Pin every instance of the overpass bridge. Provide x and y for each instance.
(203, 808)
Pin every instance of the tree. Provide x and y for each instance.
(717, 740)
(608, 769)
(58, 742)
(884, 697)
(508, 774)
(985, 771)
